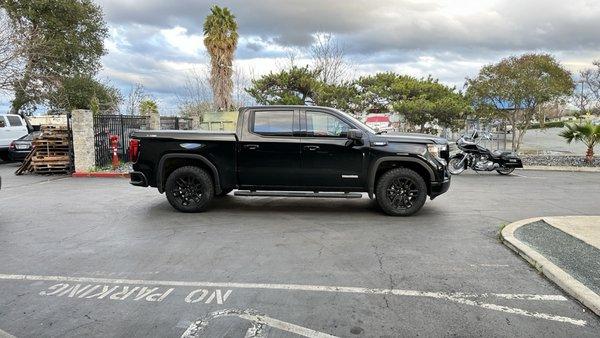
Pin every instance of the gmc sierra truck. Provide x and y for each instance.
(293, 151)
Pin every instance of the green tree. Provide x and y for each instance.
(515, 87)
(66, 38)
(148, 106)
(377, 93)
(419, 100)
(80, 92)
(297, 85)
(587, 133)
(220, 39)
(343, 96)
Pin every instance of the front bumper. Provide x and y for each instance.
(138, 178)
(438, 188)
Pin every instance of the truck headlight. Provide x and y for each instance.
(436, 151)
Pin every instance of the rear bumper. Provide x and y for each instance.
(438, 188)
(138, 179)
(18, 155)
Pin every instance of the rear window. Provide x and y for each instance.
(31, 136)
(274, 123)
(14, 121)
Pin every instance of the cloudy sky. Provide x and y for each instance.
(157, 42)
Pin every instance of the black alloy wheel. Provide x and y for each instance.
(401, 192)
(189, 189)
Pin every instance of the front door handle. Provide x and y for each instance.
(311, 148)
(251, 146)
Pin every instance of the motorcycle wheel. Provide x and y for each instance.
(505, 171)
(455, 167)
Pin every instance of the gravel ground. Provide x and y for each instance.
(557, 160)
(578, 258)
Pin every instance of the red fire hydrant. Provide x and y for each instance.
(114, 143)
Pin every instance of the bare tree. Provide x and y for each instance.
(135, 96)
(197, 96)
(587, 92)
(329, 59)
(12, 53)
(242, 79)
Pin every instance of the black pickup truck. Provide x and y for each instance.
(295, 151)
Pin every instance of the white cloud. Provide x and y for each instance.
(178, 38)
(158, 43)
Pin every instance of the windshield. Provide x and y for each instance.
(358, 122)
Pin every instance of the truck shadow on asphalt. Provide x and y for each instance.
(240, 206)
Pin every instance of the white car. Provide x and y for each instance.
(12, 127)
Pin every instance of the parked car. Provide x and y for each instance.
(21, 147)
(292, 151)
(12, 127)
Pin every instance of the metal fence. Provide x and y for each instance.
(175, 123)
(120, 125)
(492, 133)
(218, 125)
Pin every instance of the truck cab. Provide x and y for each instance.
(298, 151)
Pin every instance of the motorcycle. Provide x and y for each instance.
(479, 158)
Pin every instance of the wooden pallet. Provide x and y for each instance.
(51, 153)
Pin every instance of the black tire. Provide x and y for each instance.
(189, 189)
(453, 167)
(505, 171)
(401, 192)
(223, 192)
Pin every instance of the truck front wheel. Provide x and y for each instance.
(401, 192)
(189, 189)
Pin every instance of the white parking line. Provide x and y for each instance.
(258, 322)
(4, 334)
(460, 298)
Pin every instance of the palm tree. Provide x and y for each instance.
(220, 39)
(587, 133)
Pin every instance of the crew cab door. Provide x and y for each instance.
(269, 149)
(329, 160)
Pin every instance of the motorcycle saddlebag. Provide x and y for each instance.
(511, 160)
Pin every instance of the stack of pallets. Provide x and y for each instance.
(51, 153)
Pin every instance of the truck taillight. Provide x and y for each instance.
(11, 145)
(134, 149)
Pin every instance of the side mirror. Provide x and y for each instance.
(355, 134)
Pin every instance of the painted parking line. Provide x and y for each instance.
(258, 321)
(151, 295)
(4, 334)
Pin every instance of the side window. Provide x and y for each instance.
(14, 121)
(273, 123)
(320, 124)
(2, 122)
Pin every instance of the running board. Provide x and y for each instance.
(246, 193)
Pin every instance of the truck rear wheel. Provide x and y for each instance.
(401, 192)
(189, 189)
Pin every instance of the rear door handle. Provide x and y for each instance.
(251, 146)
(311, 148)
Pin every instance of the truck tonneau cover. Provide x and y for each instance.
(195, 135)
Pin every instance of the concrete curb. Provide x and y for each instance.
(562, 168)
(560, 277)
(100, 174)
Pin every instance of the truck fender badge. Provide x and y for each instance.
(349, 176)
(191, 146)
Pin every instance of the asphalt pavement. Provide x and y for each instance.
(98, 257)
